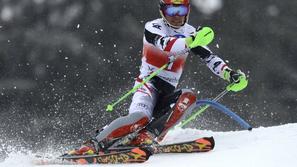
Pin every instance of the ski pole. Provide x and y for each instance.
(203, 38)
(197, 113)
(135, 88)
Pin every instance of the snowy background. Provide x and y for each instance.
(62, 61)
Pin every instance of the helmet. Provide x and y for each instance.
(174, 7)
(175, 2)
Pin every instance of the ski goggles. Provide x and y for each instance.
(175, 10)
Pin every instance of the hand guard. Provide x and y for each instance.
(237, 78)
(202, 37)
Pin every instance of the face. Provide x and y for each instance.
(175, 14)
(176, 21)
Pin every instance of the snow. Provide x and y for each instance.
(208, 6)
(264, 147)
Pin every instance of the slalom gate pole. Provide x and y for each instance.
(203, 38)
(226, 111)
(218, 106)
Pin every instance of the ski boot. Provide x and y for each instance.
(90, 147)
(143, 138)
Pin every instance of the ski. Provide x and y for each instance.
(130, 154)
(204, 144)
(135, 155)
(199, 145)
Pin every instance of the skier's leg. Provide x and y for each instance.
(115, 130)
(140, 113)
(138, 117)
(184, 100)
(166, 99)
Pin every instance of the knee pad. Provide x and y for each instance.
(185, 100)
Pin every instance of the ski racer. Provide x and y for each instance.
(158, 105)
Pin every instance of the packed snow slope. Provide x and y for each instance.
(262, 147)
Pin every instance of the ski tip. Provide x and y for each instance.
(143, 151)
(212, 141)
(139, 151)
(209, 141)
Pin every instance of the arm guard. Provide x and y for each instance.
(216, 65)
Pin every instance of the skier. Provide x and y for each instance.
(157, 105)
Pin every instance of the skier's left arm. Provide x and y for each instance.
(221, 69)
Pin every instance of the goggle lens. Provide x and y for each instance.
(176, 10)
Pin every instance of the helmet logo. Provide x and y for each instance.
(177, 1)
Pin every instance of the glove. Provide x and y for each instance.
(237, 78)
(202, 38)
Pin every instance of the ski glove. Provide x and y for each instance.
(237, 78)
(202, 37)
